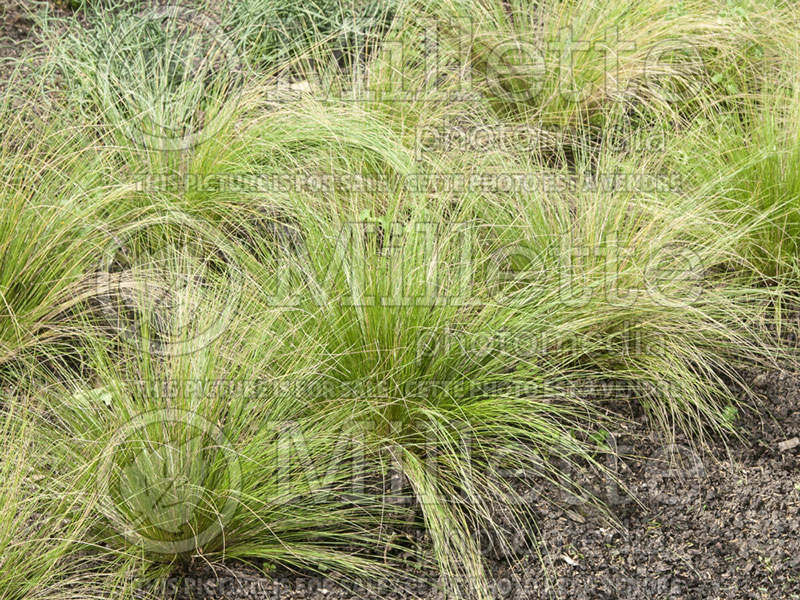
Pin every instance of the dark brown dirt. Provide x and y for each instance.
(15, 26)
(17, 30)
(725, 528)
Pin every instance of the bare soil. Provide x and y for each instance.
(17, 31)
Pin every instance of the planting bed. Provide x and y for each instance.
(463, 299)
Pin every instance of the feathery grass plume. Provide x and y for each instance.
(43, 533)
(567, 63)
(398, 321)
(51, 198)
(256, 139)
(274, 34)
(744, 158)
(624, 241)
(158, 79)
(214, 455)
